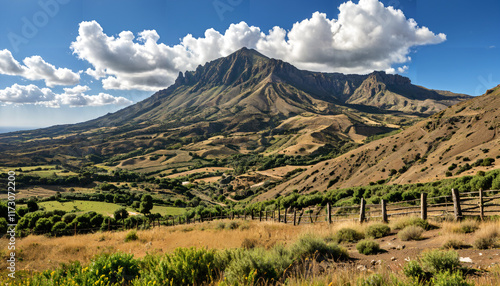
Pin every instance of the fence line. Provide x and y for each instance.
(330, 214)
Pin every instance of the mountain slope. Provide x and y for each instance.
(244, 93)
(452, 141)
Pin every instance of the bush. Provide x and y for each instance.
(116, 267)
(131, 236)
(185, 266)
(232, 225)
(413, 269)
(372, 280)
(415, 221)
(378, 230)
(486, 238)
(450, 279)
(249, 243)
(411, 233)
(436, 261)
(469, 226)
(312, 246)
(455, 244)
(348, 235)
(220, 225)
(257, 265)
(59, 228)
(367, 247)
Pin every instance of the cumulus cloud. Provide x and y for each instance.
(26, 94)
(365, 36)
(35, 68)
(75, 96)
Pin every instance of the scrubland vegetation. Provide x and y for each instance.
(262, 254)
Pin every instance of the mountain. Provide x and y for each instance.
(272, 106)
(460, 140)
(247, 91)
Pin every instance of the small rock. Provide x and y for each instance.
(407, 259)
(373, 262)
(393, 238)
(378, 262)
(400, 247)
(393, 258)
(480, 254)
(361, 267)
(465, 259)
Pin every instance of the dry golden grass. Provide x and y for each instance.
(41, 253)
(465, 226)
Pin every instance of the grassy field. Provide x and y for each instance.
(46, 171)
(82, 206)
(167, 210)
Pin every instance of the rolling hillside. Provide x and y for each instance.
(450, 143)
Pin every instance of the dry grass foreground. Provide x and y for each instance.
(40, 253)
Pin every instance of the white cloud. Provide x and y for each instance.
(75, 96)
(26, 94)
(366, 36)
(35, 68)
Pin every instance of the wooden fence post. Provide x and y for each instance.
(251, 212)
(294, 217)
(260, 215)
(329, 213)
(456, 204)
(266, 215)
(362, 211)
(423, 206)
(286, 212)
(245, 215)
(279, 214)
(481, 205)
(384, 210)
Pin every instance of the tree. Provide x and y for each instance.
(43, 225)
(32, 206)
(146, 204)
(121, 214)
(59, 228)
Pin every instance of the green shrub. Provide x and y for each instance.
(116, 267)
(348, 235)
(367, 247)
(257, 265)
(413, 269)
(312, 246)
(131, 236)
(59, 228)
(411, 232)
(436, 261)
(378, 230)
(468, 226)
(415, 221)
(448, 278)
(372, 280)
(185, 266)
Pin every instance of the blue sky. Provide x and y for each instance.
(55, 70)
